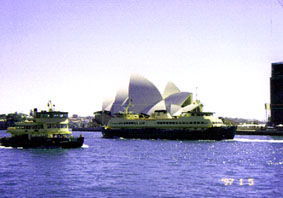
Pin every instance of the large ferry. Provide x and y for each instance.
(47, 129)
(191, 125)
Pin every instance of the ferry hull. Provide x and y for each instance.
(214, 133)
(42, 142)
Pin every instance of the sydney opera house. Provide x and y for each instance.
(145, 98)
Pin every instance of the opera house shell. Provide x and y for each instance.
(143, 97)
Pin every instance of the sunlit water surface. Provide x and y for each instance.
(248, 166)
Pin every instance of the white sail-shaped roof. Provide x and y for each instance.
(170, 89)
(159, 106)
(143, 94)
(176, 99)
(143, 97)
(174, 108)
(186, 109)
(120, 98)
(107, 104)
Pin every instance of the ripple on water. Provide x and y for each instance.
(256, 140)
(145, 168)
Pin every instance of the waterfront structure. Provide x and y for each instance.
(81, 122)
(276, 93)
(145, 98)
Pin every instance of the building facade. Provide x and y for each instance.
(276, 93)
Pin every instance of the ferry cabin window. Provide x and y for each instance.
(129, 123)
(62, 115)
(53, 115)
(32, 127)
(57, 115)
(39, 127)
(63, 125)
(44, 115)
(58, 126)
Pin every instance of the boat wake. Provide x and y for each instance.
(85, 146)
(4, 147)
(255, 140)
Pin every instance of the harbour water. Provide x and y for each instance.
(248, 166)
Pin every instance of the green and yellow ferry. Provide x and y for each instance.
(46, 129)
(190, 125)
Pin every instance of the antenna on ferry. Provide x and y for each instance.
(196, 93)
(50, 106)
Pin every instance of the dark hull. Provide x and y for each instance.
(42, 142)
(214, 133)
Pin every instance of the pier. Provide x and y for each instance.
(260, 132)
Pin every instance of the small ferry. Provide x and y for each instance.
(46, 129)
(191, 125)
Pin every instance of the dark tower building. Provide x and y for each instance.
(276, 93)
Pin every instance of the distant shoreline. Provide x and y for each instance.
(259, 132)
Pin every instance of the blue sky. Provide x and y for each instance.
(79, 53)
